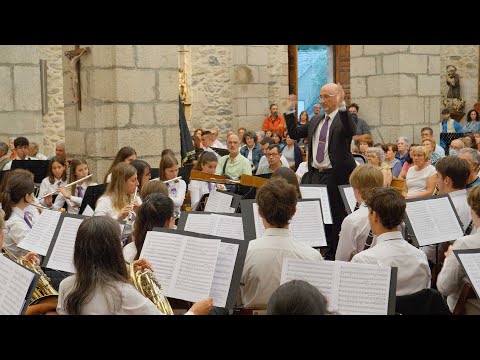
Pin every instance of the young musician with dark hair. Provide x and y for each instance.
(207, 163)
(126, 155)
(386, 211)
(452, 277)
(355, 227)
(118, 198)
(277, 201)
(56, 176)
(143, 173)
(22, 147)
(73, 195)
(101, 284)
(176, 188)
(156, 211)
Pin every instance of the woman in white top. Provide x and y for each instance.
(207, 163)
(421, 177)
(74, 194)
(176, 189)
(101, 284)
(155, 211)
(56, 176)
(452, 277)
(126, 155)
(117, 200)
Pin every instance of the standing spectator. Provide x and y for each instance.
(473, 122)
(449, 125)
(275, 122)
(303, 120)
(362, 126)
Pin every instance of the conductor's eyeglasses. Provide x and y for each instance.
(324, 97)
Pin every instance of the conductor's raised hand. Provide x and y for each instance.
(340, 94)
(292, 101)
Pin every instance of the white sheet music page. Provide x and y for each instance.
(61, 257)
(348, 191)
(318, 192)
(218, 202)
(40, 236)
(222, 277)
(15, 281)
(228, 226)
(192, 277)
(353, 289)
(200, 223)
(259, 228)
(433, 221)
(307, 224)
(88, 211)
(471, 264)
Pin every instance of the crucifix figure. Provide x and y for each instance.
(74, 72)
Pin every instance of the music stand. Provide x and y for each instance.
(155, 172)
(447, 138)
(92, 194)
(39, 168)
(220, 151)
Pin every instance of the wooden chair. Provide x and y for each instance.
(400, 185)
(466, 294)
(252, 181)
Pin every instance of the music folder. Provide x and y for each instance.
(39, 168)
(92, 194)
(228, 268)
(215, 201)
(318, 191)
(469, 259)
(17, 284)
(432, 220)
(231, 225)
(348, 197)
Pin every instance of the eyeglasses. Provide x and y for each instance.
(324, 97)
(271, 155)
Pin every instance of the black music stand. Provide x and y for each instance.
(155, 172)
(39, 168)
(447, 138)
(220, 151)
(92, 194)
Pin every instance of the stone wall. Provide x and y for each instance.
(129, 98)
(465, 59)
(397, 88)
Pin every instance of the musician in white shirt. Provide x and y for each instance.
(176, 188)
(355, 227)
(125, 155)
(56, 176)
(22, 147)
(101, 285)
(452, 277)
(386, 211)
(207, 163)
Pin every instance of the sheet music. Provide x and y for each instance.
(353, 289)
(319, 192)
(40, 236)
(433, 221)
(61, 257)
(348, 191)
(183, 265)
(202, 224)
(218, 202)
(216, 225)
(222, 277)
(306, 225)
(88, 211)
(471, 264)
(15, 281)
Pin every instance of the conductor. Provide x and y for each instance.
(330, 161)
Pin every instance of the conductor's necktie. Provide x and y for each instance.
(322, 139)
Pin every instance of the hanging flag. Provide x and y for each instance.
(187, 151)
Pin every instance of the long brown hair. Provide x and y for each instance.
(122, 154)
(116, 188)
(73, 167)
(18, 186)
(61, 161)
(204, 158)
(99, 262)
(166, 162)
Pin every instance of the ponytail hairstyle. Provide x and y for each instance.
(61, 161)
(205, 158)
(19, 185)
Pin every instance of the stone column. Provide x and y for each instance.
(129, 98)
(397, 88)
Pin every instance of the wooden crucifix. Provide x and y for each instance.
(74, 58)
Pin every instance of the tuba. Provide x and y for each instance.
(146, 283)
(44, 290)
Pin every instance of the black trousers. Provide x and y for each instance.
(336, 206)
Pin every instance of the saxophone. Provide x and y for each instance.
(44, 288)
(146, 283)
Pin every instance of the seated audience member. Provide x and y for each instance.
(273, 156)
(74, 194)
(56, 176)
(455, 147)
(408, 162)
(473, 159)
(427, 133)
(477, 138)
(101, 284)
(355, 227)
(4, 158)
(143, 173)
(277, 202)
(278, 140)
(216, 142)
(207, 164)
(167, 152)
(176, 188)
(420, 177)
(268, 134)
(292, 152)
(365, 142)
(154, 187)
(22, 146)
(155, 211)
(124, 155)
(196, 145)
(473, 141)
(198, 133)
(60, 151)
(376, 157)
(402, 145)
(386, 211)
(430, 145)
(472, 125)
(207, 141)
(252, 151)
(290, 177)
(260, 135)
(33, 152)
(234, 164)
(391, 160)
(452, 277)
(297, 297)
(241, 132)
(265, 143)
(116, 202)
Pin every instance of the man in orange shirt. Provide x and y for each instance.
(275, 122)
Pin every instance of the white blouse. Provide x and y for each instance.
(75, 202)
(46, 187)
(176, 191)
(18, 229)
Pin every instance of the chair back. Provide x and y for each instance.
(424, 302)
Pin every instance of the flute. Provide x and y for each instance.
(131, 203)
(174, 179)
(72, 183)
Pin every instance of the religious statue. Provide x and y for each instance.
(73, 57)
(453, 101)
